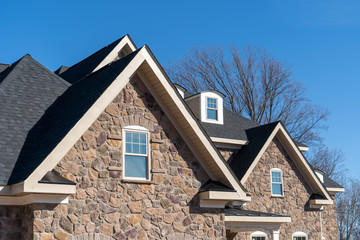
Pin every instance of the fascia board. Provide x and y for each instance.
(220, 195)
(336, 190)
(126, 41)
(228, 141)
(181, 106)
(86, 120)
(33, 198)
(248, 219)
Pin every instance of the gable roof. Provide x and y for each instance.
(95, 61)
(61, 117)
(66, 120)
(61, 70)
(257, 138)
(246, 159)
(27, 89)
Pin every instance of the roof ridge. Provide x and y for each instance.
(7, 72)
(106, 66)
(49, 71)
(118, 40)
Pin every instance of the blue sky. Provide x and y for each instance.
(320, 39)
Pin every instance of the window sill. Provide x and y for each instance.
(137, 181)
(277, 196)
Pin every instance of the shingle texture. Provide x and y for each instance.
(27, 89)
(3, 67)
(86, 66)
(246, 155)
(61, 116)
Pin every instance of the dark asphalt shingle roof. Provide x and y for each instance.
(27, 89)
(61, 70)
(246, 155)
(329, 183)
(234, 124)
(215, 186)
(86, 66)
(62, 115)
(3, 67)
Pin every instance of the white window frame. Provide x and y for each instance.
(282, 182)
(137, 129)
(258, 234)
(220, 107)
(299, 234)
(207, 108)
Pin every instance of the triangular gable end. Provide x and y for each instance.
(125, 47)
(297, 157)
(173, 105)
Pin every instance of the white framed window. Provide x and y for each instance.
(211, 109)
(299, 236)
(277, 188)
(136, 153)
(258, 236)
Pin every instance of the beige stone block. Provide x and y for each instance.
(106, 229)
(47, 236)
(135, 207)
(60, 235)
(135, 219)
(39, 225)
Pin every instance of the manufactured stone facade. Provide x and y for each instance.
(106, 206)
(295, 201)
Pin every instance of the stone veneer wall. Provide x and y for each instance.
(167, 207)
(295, 200)
(228, 153)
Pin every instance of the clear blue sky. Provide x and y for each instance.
(321, 39)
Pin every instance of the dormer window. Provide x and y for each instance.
(211, 109)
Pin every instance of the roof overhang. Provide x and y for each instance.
(298, 158)
(145, 64)
(334, 190)
(228, 142)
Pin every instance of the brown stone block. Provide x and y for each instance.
(38, 225)
(135, 207)
(135, 219)
(106, 229)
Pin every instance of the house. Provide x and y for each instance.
(110, 148)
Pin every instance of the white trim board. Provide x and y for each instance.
(296, 156)
(34, 198)
(219, 169)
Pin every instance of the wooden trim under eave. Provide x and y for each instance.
(33, 198)
(252, 219)
(228, 141)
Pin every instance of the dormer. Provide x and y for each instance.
(212, 107)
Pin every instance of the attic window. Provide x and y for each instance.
(136, 155)
(276, 182)
(211, 109)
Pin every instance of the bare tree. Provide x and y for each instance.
(331, 161)
(348, 212)
(256, 85)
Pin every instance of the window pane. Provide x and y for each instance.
(276, 177)
(135, 166)
(128, 137)
(276, 189)
(135, 142)
(143, 138)
(143, 149)
(128, 148)
(211, 103)
(299, 238)
(212, 114)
